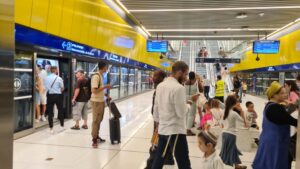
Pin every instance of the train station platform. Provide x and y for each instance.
(71, 149)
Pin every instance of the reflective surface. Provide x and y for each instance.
(7, 49)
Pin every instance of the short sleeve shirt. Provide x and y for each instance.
(97, 82)
(81, 84)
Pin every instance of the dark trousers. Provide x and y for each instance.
(55, 99)
(181, 151)
(221, 98)
(206, 92)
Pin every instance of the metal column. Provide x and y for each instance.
(7, 50)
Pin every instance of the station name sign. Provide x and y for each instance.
(218, 60)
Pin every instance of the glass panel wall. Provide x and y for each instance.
(114, 81)
(131, 83)
(145, 80)
(124, 82)
(138, 77)
(23, 91)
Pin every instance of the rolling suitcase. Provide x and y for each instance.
(114, 126)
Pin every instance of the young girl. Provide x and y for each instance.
(229, 152)
(216, 112)
(207, 143)
(207, 117)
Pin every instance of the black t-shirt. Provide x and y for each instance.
(82, 85)
(236, 84)
(277, 114)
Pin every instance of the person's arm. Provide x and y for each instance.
(61, 84)
(278, 115)
(155, 109)
(95, 84)
(180, 102)
(76, 92)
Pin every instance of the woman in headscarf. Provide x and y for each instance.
(273, 149)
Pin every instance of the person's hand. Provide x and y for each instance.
(73, 101)
(108, 86)
(195, 97)
(109, 98)
(189, 102)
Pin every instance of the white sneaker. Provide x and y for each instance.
(51, 131)
(37, 120)
(61, 128)
(43, 118)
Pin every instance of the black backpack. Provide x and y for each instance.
(87, 88)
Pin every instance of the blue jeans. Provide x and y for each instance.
(181, 151)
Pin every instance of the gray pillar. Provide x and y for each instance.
(7, 50)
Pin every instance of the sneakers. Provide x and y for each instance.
(61, 129)
(37, 120)
(100, 140)
(51, 131)
(44, 118)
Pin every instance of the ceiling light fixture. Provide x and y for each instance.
(241, 15)
(145, 30)
(208, 30)
(215, 9)
(209, 36)
(124, 7)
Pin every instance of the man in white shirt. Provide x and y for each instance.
(170, 110)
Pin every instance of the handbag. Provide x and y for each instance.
(51, 85)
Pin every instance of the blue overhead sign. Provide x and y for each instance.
(30, 36)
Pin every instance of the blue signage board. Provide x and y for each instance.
(157, 46)
(289, 67)
(30, 36)
(266, 47)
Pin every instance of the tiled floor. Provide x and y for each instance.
(72, 149)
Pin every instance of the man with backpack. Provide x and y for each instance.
(80, 100)
(97, 101)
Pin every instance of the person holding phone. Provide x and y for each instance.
(98, 101)
(191, 88)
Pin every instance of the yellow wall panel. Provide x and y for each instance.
(86, 21)
(39, 15)
(54, 16)
(23, 11)
(288, 54)
(89, 22)
(67, 18)
(76, 22)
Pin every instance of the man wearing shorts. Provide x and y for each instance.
(98, 102)
(80, 101)
(41, 96)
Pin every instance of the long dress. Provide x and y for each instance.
(190, 91)
(273, 149)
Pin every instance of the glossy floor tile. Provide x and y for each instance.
(72, 149)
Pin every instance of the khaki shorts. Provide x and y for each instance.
(80, 111)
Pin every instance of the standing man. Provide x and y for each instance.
(55, 87)
(80, 100)
(206, 84)
(97, 101)
(220, 89)
(158, 77)
(170, 111)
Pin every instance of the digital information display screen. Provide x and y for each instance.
(157, 46)
(266, 47)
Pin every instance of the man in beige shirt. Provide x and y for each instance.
(97, 101)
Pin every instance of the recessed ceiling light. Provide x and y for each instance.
(215, 9)
(209, 30)
(241, 16)
(210, 36)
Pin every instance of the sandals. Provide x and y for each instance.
(84, 127)
(75, 128)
